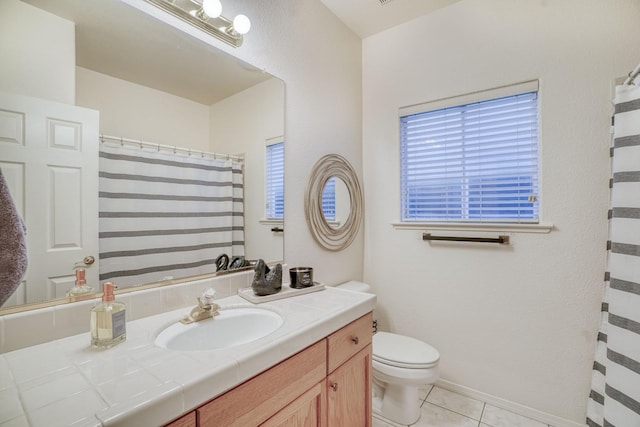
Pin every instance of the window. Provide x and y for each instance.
(329, 199)
(473, 161)
(275, 180)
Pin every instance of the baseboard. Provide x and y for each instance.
(498, 402)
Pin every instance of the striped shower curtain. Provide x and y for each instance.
(615, 393)
(165, 215)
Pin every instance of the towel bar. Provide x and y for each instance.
(502, 239)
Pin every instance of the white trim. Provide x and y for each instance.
(508, 405)
(274, 140)
(513, 228)
(272, 222)
(499, 92)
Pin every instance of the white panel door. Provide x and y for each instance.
(49, 156)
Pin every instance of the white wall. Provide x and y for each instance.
(42, 67)
(520, 322)
(242, 124)
(134, 111)
(319, 59)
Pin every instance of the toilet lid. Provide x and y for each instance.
(403, 351)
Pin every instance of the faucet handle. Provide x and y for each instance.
(207, 297)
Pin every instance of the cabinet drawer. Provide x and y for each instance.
(349, 340)
(254, 401)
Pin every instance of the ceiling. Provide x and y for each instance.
(368, 17)
(115, 39)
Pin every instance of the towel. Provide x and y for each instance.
(13, 249)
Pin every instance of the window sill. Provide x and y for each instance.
(507, 228)
(271, 221)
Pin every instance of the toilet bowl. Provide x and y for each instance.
(401, 365)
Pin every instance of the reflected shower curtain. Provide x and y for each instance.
(615, 390)
(166, 215)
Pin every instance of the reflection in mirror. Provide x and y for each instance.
(336, 203)
(86, 68)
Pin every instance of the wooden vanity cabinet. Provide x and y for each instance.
(351, 379)
(328, 384)
(307, 410)
(187, 420)
(349, 374)
(256, 400)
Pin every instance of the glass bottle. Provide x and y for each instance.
(80, 287)
(108, 322)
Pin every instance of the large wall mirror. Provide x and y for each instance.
(143, 86)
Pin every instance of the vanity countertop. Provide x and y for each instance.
(65, 382)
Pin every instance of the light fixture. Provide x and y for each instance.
(212, 8)
(207, 16)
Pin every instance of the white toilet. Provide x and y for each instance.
(401, 365)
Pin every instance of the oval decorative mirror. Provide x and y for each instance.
(322, 203)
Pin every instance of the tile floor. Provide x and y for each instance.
(444, 408)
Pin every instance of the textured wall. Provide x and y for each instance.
(139, 112)
(519, 322)
(319, 59)
(42, 67)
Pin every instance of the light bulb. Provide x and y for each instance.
(212, 8)
(241, 24)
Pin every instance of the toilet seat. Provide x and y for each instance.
(403, 352)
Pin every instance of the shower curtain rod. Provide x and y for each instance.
(632, 75)
(175, 149)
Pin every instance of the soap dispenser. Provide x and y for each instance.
(108, 322)
(80, 287)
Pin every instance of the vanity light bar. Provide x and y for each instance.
(219, 27)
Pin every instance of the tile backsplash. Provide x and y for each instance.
(20, 330)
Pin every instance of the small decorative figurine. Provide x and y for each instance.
(222, 262)
(267, 281)
(238, 262)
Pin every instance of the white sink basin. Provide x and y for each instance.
(232, 327)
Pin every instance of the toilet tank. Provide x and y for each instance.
(355, 286)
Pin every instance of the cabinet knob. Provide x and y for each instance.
(334, 386)
(355, 340)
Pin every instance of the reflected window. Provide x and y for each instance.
(275, 180)
(329, 200)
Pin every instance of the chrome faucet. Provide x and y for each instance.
(206, 308)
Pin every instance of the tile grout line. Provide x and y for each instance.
(484, 405)
(455, 412)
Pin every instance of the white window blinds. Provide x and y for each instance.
(275, 181)
(329, 199)
(473, 162)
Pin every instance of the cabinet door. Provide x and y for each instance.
(308, 410)
(258, 399)
(349, 392)
(187, 420)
